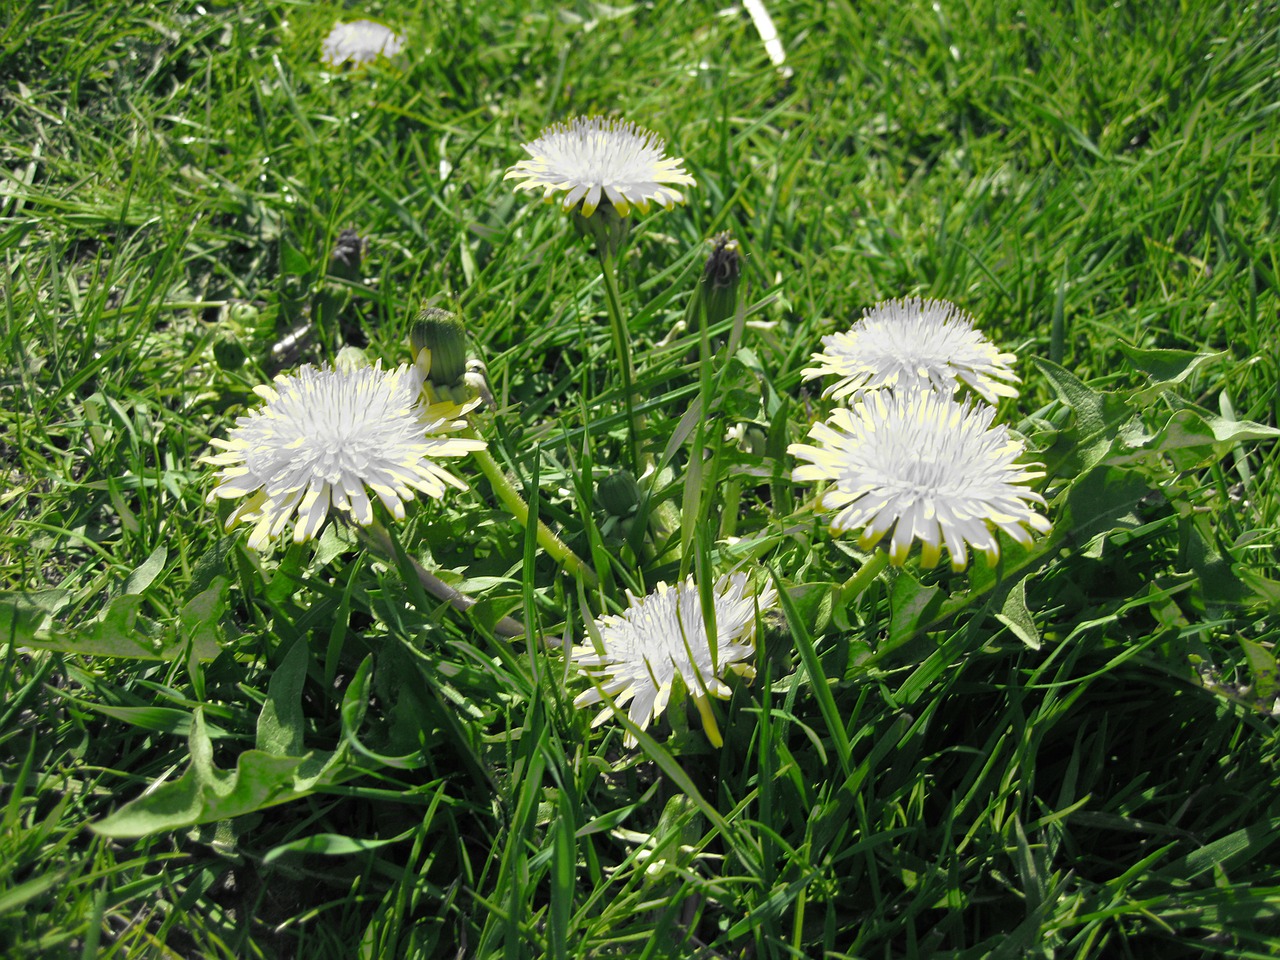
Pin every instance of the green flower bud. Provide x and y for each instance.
(229, 353)
(244, 314)
(619, 493)
(350, 359)
(439, 342)
(720, 279)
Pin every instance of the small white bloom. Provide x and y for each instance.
(360, 42)
(323, 436)
(590, 159)
(664, 634)
(920, 466)
(912, 344)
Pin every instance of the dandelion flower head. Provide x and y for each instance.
(922, 466)
(664, 634)
(595, 159)
(914, 344)
(326, 434)
(359, 42)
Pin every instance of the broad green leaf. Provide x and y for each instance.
(1266, 588)
(1194, 437)
(119, 632)
(355, 702)
(1167, 366)
(911, 603)
(1102, 501)
(1262, 664)
(281, 719)
(1015, 615)
(200, 618)
(814, 602)
(22, 615)
(146, 572)
(122, 631)
(1098, 418)
(1215, 574)
(213, 563)
(205, 793)
(1088, 404)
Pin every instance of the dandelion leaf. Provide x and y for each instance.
(204, 793)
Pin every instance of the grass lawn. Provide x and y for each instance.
(1042, 727)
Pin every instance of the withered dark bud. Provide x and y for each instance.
(347, 254)
(720, 279)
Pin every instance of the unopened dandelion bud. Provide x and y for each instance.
(229, 353)
(720, 279)
(350, 359)
(243, 314)
(439, 343)
(619, 493)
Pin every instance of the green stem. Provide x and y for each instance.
(859, 582)
(511, 498)
(729, 516)
(621, 347)
(1041, 553)
(376, 535)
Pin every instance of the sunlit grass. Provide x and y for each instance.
(1072, 754)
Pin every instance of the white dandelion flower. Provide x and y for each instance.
(912, 344)
(323, 436)
(664, 634)
(920, 466)
(359, 42)
(594, 159)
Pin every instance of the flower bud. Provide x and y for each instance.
(346, 256)
(619, 493)
(243, 314)
(229, 353)
(439, 343)
(720, 279)
(350, 359)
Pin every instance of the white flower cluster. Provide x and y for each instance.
(907, 460)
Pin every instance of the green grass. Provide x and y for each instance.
(1073, 755)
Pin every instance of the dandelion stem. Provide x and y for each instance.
(376, 535)
(855, 585)
(514, 502)
(622, 348)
